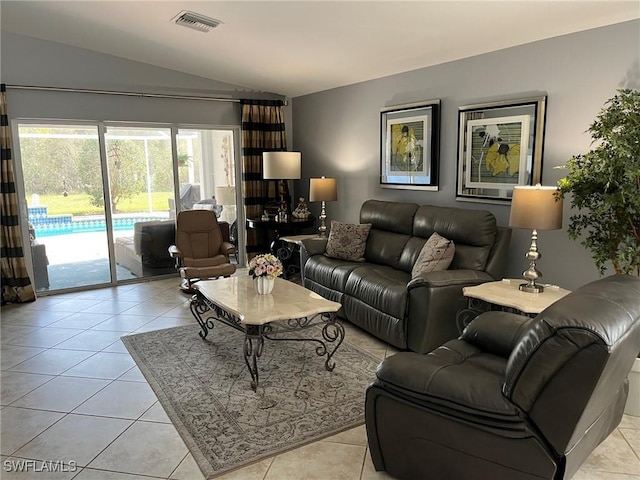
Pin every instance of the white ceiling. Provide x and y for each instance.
(298, 47)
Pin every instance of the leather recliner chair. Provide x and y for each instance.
(513, 397)
(200, 251)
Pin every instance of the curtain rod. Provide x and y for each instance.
(125, 94)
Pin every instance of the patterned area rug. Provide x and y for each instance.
(204, 386)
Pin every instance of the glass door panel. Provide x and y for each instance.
(140, 168)
(62, 177)
(206, 171)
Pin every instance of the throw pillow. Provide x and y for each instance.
(347, 241)
(436, 254)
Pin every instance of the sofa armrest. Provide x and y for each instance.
(313, 246)
(434, 301)
(308, 248)
(496, 332)
(175, 252)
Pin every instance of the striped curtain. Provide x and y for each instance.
(263, 130)
(16, 286)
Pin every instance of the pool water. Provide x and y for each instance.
(46, 225)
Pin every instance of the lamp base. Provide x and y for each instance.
(533, 288)
(322, 229)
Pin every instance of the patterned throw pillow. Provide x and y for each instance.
(436, 254)
(347, 241)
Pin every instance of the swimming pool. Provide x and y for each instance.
(49, 225)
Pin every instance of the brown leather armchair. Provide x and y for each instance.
(200, 251)
(514, 397)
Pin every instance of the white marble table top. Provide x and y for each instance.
(506, 293)
(298, 238)
(237, 296)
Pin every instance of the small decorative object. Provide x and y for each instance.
(500, 146)
(409, 146)
(301, 210)
(264, 269)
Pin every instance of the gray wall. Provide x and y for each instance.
(337, 131)
(30, 61)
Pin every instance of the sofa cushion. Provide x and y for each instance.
(348, 241)
(382, 288)
(393, 217)
(473, 231)
(330, 272)
(436, 254)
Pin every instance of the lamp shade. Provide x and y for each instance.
(281, 165)
(536, 208)
(226, 195)
(323, 189)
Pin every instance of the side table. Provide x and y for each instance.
(293, 226)
(289, 253)
(504, 295)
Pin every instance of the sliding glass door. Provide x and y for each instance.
(100, 200)
(140, 173)
(63, 188)
(206, 174)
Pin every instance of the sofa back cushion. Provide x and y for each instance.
(473, 232)
(391, 229)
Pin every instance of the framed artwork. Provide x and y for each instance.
(500, 146)
(409, 146)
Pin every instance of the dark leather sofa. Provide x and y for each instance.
(147, 252)
(379, 294)
(513, 398)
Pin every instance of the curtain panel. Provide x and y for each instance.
(263, 130)
(16, 285)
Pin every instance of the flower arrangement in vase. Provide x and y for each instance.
(264, 269)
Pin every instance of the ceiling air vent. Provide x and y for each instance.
(195, 21)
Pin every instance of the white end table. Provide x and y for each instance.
(505, 295)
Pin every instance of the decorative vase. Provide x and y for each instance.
(264, 285)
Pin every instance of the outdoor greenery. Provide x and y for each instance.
(67, 164)
(604, 184)
(80, 204)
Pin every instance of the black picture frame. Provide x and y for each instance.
(410, 146)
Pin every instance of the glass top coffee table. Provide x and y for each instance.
(278, 316)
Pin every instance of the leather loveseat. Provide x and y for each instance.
(514, 398)
(379, 294)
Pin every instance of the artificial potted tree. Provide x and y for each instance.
(604, 184)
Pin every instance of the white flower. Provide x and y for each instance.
(265, 265)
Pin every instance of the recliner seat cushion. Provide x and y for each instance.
(329, 272)
(382, 288)
(436, 385)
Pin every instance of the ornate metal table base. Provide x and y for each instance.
(206, 312)
(477, 306)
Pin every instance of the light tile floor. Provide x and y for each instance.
(71, 393)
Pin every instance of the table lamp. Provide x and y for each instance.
(281, 166)
(226, 196)
(323, 190)
(536, 208)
